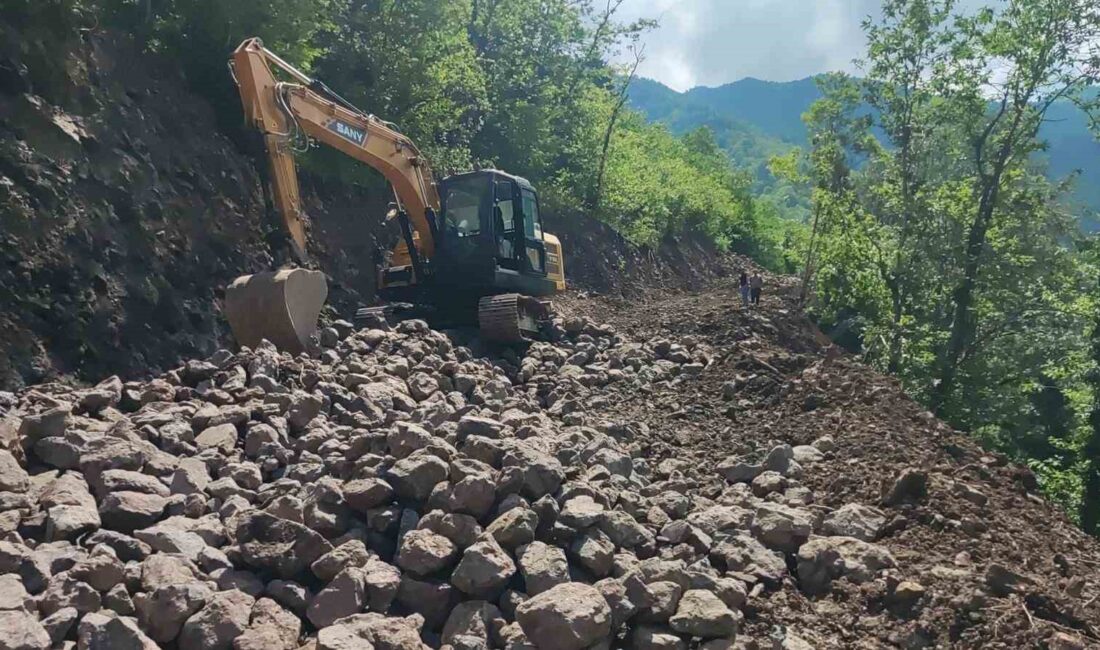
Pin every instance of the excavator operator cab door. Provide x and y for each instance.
(466, 225)
(517, 228)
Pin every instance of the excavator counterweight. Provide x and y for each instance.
(471, 244)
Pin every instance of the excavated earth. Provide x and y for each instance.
(669, 471)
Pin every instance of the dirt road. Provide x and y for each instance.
(997, 565)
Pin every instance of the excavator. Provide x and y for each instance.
(471, 251)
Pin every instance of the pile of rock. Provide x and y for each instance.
(389, 489)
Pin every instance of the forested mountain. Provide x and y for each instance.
(754, 119)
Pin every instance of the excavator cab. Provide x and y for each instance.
(490, 241)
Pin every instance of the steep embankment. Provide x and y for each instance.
(124, 213)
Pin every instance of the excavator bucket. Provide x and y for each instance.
(280, 306)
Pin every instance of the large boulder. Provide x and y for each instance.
(484, 569)
(271, 543)
(570, 616)
(224, 617)
(824, 559)
(20, 630)
(854, 520)
(701, 613)
(109, 631)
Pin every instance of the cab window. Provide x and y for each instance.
(507, 209)
(462, 207)
(532, 224)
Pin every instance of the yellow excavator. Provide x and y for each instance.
(478, 255)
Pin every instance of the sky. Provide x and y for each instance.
(712, 42)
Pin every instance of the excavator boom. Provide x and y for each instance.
(283, 306)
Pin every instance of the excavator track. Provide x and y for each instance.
(511, 317)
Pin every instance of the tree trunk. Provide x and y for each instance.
(963, 323)
(1090, 499)
(893, 363)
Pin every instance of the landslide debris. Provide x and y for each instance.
(401, 487)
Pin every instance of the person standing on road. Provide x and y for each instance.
(744, 284)
(756, 285)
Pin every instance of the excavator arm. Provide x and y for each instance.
(288, 112)
(282, 306)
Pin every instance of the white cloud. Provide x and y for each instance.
(712, 42)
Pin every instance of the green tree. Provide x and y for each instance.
(1030, 55)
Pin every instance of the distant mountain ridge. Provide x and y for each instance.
(755, 119)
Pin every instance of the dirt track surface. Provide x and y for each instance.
(980, 525)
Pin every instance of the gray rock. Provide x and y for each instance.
(423, 552)
(162, 569)
(540, 474)
(461, 529)
(101, 571)
(807, 454)
(659, 600)
(169, 539)
(515, 527)
(780, 527)
(58, 624)
(735, 470)
(118, 600)
(703, 614)
(14, 596)
(222, 437)
(371, 630)
(744, 554)
(65, 590)
(382, 582)
(279, 545)
(473, 618)
(271, 628)
(109, 631)
(824, 559)
(484, 569)
(291, 595)
(190, 477)
(224, 617)
(125, 547)
(854, 520)
(623, 529)
(580, 512)
(543, 567)
(344, 596)
(649, 637)
(432, 599)
(122, 480)
(595, 551)
(365, 494)
(13, 478)
(569, 616)
(349, 554)
(414, 477)
(127, 511)
(164, 611)
(71, 521)
(20, 630)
